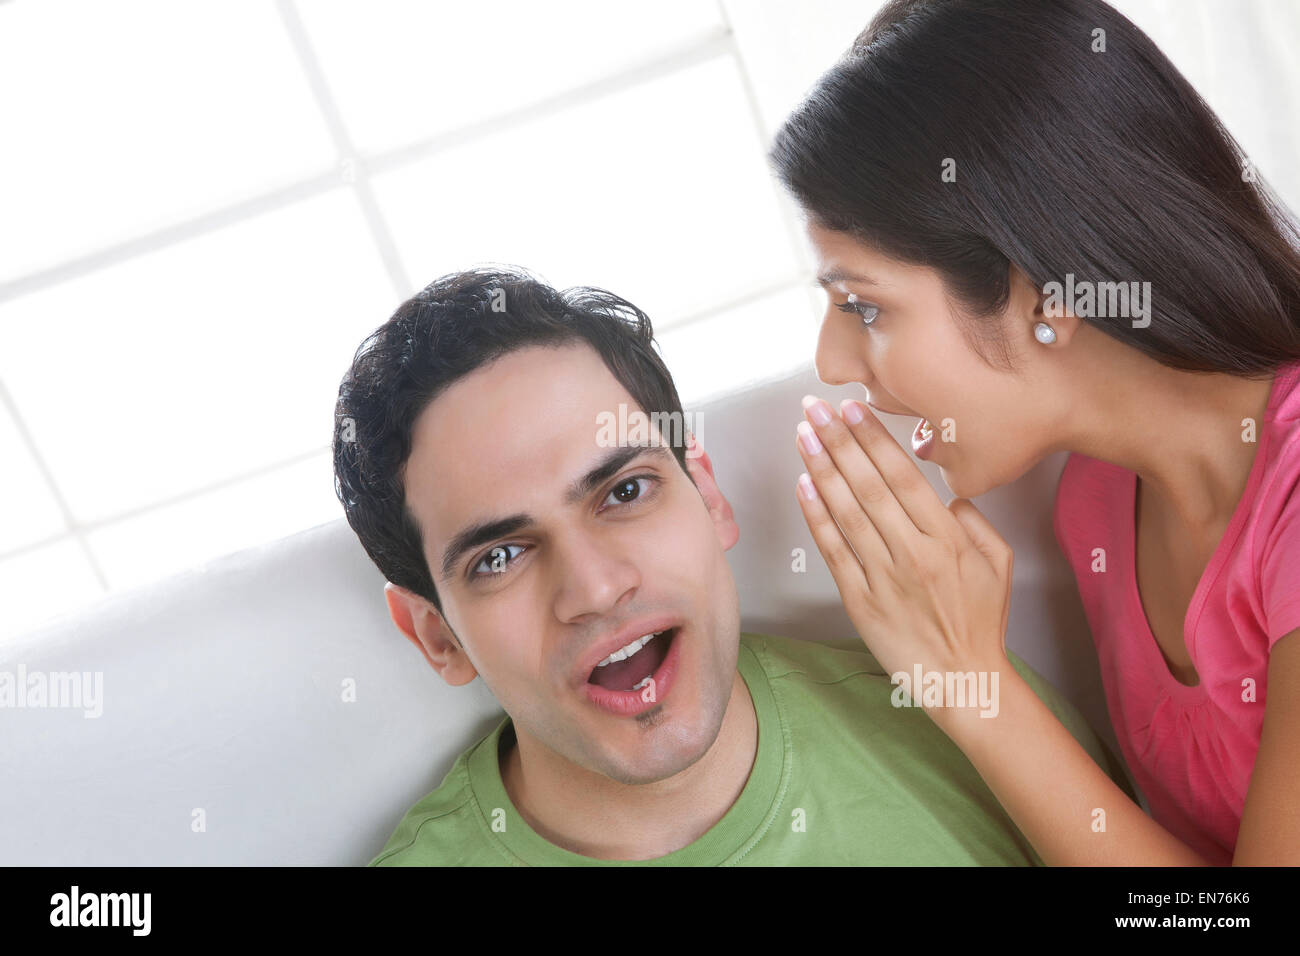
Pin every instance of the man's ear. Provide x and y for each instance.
(701, 470)
(428, 630)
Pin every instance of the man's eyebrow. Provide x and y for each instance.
(482, 532)
(840, 275)
(610, 466)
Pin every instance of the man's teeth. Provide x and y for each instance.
(623, 653)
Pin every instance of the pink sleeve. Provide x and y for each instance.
(1058, 504)
(1280, 566)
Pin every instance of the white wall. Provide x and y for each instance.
(205, 206)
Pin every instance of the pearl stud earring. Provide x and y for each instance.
(1044, 333)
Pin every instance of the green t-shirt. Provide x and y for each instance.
(841, 777)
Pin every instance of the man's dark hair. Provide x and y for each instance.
(455, 325)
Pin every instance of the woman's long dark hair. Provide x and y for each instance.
(1074, 152)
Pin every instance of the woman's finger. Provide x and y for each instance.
(900, 472)
(982, 534)
(989, 543)
(841, 504)
(868, 486)
(844, 565)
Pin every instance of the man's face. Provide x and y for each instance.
(535, 604)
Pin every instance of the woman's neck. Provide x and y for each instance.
(1191, 437)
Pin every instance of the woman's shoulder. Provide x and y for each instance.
(1281, 468)
(1284, 401)
(1274, 538)
(1082, 470)
(1087, 495)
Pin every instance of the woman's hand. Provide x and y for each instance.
(933, 588)
(923, 584)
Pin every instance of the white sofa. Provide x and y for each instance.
(225, 737)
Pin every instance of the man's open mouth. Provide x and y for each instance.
(630, 667)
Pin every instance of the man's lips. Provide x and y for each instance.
(621, 638)
(646, 694)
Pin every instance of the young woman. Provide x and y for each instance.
(1037, 236)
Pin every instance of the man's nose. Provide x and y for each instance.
(593, 576)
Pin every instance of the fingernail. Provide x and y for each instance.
(851, 411)
(817, 410)
(807, 488)
(808, 438)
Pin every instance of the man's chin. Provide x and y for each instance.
(663, 741)
(659, 759)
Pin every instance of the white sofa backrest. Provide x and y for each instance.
(227, 733)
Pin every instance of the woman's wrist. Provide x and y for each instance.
(970, 720)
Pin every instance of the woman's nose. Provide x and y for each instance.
(836, 361)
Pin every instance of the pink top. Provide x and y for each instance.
(1192, 749)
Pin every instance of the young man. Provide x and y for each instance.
(582, 575)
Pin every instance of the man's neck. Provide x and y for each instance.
(597, 817)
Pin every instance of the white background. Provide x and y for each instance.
(204, 208)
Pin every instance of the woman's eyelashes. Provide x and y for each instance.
(856, 306)
(626, 493)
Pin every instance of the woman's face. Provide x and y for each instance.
(990, 426)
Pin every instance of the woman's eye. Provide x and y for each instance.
(497, 560)
(858, 307)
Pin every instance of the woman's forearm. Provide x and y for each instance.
(1066, 806)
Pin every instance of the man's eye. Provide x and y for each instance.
(497, 560)
(628, 490)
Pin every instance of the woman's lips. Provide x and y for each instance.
(923, 439)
